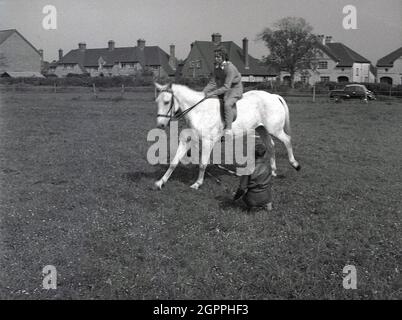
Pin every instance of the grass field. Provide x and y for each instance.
(75, 193)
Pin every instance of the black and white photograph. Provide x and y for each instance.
(186, 150)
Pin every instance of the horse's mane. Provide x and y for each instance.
(186, 91)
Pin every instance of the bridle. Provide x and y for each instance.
(173, 115)
(170, 114)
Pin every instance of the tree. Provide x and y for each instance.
(291, 45)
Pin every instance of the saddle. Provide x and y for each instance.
(222, 109)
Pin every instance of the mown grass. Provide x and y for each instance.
(76, 194)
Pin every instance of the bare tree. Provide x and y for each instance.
(291, 44)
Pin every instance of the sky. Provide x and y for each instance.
(180, 22)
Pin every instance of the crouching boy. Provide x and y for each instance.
(255, 189)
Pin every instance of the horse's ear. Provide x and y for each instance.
(159, 86)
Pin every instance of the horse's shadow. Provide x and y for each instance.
(187, 175)
(184, 174)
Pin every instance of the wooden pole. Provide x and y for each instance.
(94, 90)
(122, 90)
(314, 93)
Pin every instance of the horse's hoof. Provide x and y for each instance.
(295, 165)
(158, 185)
(195, 186)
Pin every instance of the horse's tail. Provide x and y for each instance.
(287, 121)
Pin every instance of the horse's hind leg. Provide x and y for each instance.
(286, 141)
(181, 151)
(269, 143)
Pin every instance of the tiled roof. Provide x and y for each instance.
(149, 56)
(5, 34)
(342, 54)
(388, 60)
(236, 56)
(22, 74)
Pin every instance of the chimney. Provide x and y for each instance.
(245, 54)
(320, 38)
(60, 54)
(111, 45)
(141, 43)
(82, 46)
(328, 39)
(172, 58)
(41, 54)
(216, 38)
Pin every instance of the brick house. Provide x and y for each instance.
(200, 60)
(389, 68)
(335, 62)
(115, 61)
(18, 57)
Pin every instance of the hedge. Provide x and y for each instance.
(147, 79)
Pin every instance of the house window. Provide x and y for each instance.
(127, 65)
(304, 79)
(323, 65)
(386, 69)
(357, 71)
(324, 79)
(195, 64)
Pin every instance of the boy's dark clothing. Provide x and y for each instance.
(258, 185)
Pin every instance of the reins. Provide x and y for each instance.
(183, 113)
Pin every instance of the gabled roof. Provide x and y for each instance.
(149, 56)
(236, 56)
(5, 34)
(22, 74)
(388, 60)
(342, 54)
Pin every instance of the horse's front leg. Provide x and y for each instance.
(207, 146)
(181, 151)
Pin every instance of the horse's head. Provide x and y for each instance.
(167, 106)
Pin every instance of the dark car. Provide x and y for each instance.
(352, 91)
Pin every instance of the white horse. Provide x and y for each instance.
(260, 110)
